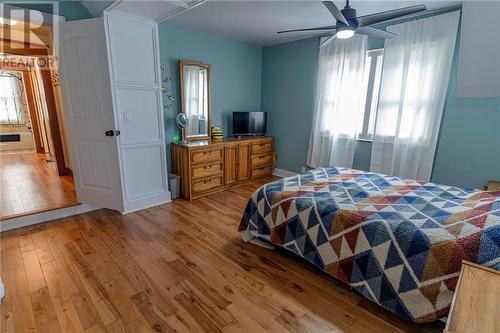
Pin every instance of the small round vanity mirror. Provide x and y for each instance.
(182, 122)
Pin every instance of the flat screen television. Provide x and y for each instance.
(249, 123)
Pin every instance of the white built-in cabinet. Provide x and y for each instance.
(110, 75)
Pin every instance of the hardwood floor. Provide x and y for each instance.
(29, 184)
(178, 267)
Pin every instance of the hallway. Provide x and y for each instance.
(30, 184)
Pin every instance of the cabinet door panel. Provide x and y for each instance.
(230, 164)
(243, 162)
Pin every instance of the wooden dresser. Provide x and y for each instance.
(206, 167)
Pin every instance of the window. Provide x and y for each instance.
(371, 87)
(10, 106)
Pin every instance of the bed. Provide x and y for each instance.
(398, 242)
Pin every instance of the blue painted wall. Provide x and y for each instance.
(288, 87)
(468, 151)
(236, 73)
(71, 10)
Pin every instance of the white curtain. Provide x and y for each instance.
(11, 110)
(414, 83)
(339, 104)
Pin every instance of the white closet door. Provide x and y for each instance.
(135, 79)
(88, 109)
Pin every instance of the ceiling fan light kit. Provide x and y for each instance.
(344, 34)
(348, 23)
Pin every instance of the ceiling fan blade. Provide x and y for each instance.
(374, 32)
(335, 11)
(328, 40)
(366, 20)
(326, 27)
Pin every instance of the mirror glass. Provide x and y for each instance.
(195, 85)
(181, 120)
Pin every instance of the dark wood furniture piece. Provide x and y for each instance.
(493, 185)
(206, 167)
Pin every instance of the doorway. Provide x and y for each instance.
(35, 160)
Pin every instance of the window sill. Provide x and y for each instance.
(364, 139)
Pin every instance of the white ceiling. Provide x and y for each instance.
(158, 10)
(96, 7)
(257, 21)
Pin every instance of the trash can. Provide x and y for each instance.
(174, 184)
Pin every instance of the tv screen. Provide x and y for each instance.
(249, 123)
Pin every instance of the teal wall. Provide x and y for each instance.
(71, 10)
(288, 88)
(236, 73)
(468, 150)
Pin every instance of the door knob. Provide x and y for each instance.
(109, 133)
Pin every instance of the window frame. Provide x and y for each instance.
(374, 56)
(16, 99)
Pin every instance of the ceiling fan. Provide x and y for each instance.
(348, 23)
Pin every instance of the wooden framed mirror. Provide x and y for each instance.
(195, 99)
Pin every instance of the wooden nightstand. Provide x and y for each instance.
(493, 185)
(476, 302)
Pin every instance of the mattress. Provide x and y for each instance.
(400, 243)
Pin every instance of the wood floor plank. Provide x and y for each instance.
(22, 308)
(140, 326)
(7, 323)
(50, 327)
(153, 318)
(179, 267)
(36, 280)
(202, 318)
(85, 308)
(42, 306)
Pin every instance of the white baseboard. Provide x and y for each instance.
(283, 173)
(26, 220)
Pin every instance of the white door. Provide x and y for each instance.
(136, 83)
(88, 108)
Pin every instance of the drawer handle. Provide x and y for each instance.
(206, 152)
(206, 167)
(207, 181)
(262, 145)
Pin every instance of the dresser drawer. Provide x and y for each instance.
(206, 184)
(262, 159)
(261, 148)
(207, 155)
(206, 170)
(265, 171)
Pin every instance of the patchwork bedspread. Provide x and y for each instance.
(398, 242)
